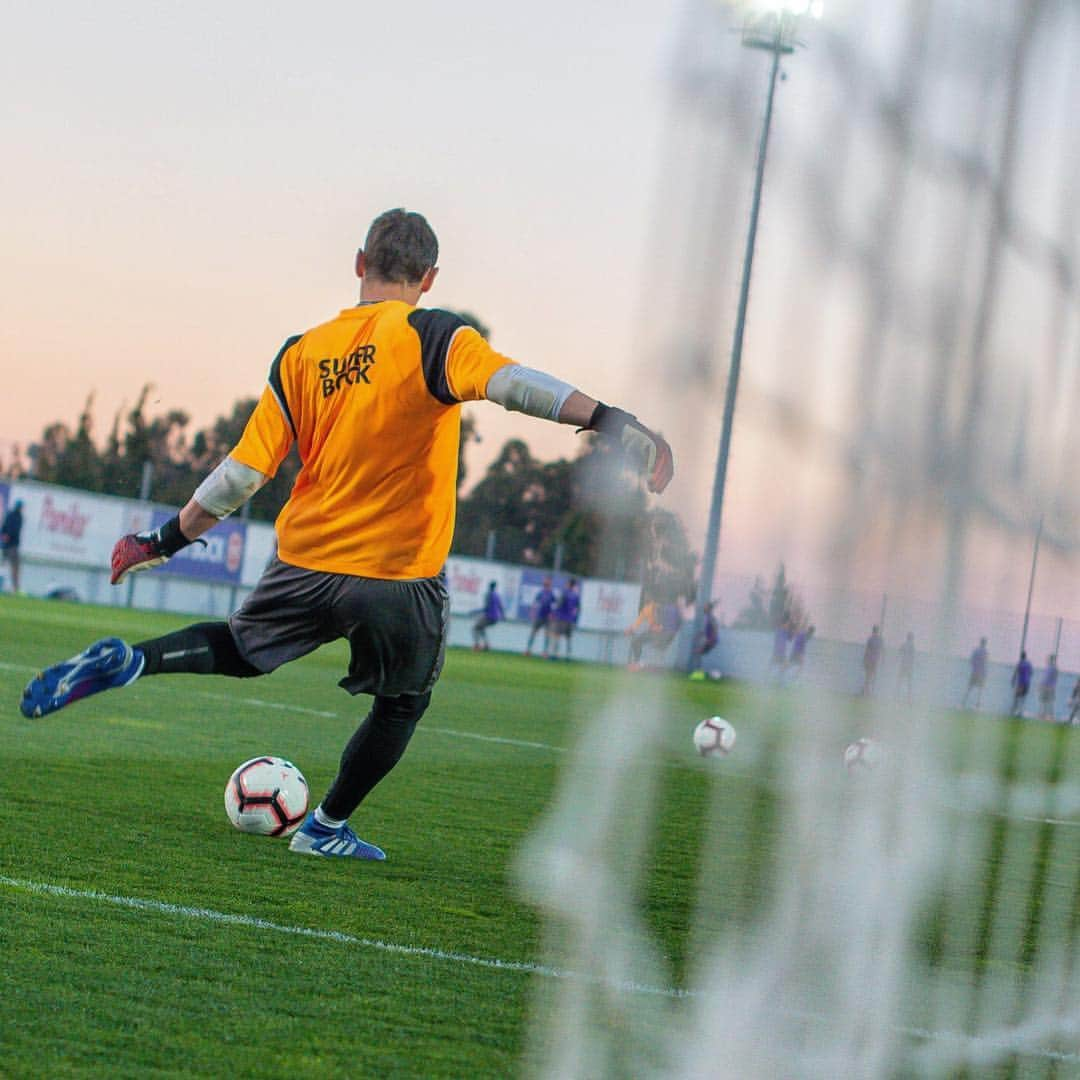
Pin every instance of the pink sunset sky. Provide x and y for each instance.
(185, 186)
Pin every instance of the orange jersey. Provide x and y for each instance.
(372, 400)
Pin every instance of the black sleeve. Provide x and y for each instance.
(436, 330)
(277, 385)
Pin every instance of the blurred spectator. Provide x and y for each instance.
(1048, 689)
(564, 617)
(778, 661)
(540, 613)
(489, 615)
(977, 679)
(1074, 703)
(1021, 684)
(710, 632)
(10, 538)
(875, 645)
(656, 625)
(798, 651)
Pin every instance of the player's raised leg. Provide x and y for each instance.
(201, 649)
(105, 665)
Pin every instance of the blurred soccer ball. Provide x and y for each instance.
(714, 737)
(266, 795)
(862, 755)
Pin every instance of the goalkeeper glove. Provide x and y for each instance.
(142, 550)
(648, 449)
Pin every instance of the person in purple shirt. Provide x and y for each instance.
(798, 651)
(977, 679)
(1021, 683)
(1048, 689)
(710, 634)
(489, 615)
(564, 617)
(781, 639)
(540, 613)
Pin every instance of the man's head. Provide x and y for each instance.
(400, 251)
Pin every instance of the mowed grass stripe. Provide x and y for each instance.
(183, 911)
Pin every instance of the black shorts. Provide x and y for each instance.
(396, 630)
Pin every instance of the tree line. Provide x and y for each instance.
(590, 513)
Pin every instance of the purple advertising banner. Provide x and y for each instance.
(221, 560)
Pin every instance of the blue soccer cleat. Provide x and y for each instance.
(314, 838)
(104, 665)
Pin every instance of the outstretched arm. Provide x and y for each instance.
(226, 489)
(522, 389)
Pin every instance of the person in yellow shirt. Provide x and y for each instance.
(371, 399)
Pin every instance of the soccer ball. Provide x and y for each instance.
(862, 755)
(266, 795)
(714, 737)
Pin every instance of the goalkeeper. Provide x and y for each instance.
(372, 401)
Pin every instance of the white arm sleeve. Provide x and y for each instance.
(522, 389)
(228, 487)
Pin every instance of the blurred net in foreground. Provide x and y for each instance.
(910, 378)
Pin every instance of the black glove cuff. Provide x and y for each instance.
(597, 417)
(170, 538)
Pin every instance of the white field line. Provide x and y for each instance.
(251, 922)
(995, 1044)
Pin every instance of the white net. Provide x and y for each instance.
(903, 426)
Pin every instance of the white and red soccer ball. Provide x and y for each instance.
(863, 755)
(714, 737)
(266, 795)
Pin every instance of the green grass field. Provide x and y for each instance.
(135, 923)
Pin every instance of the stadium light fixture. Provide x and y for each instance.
(770, 25)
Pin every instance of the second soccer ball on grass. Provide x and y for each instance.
(862, 755)
(714, 737)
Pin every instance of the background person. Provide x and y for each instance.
(540, 614)
(657, 624)
(798, 651)
(875, 646)
(1021, 684)
(564, 618)
(10, 539)
(1074, 703)
(1048, 689)
(781, 640)
(641, 629)
(490, 614)
(710, 635)
(977, 678)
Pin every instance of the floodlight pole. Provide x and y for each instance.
(778, 43)
(1031, 584)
